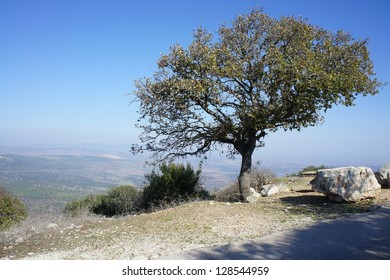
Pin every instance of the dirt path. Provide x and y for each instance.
(359, 237)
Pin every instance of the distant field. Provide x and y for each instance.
(63, 178)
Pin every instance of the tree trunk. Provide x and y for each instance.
(244, 179)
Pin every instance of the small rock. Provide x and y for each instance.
(52, 226)
(193, 246)
(19, 240)
(271, 189)
(32, 230)
(254, 196)
(30, 253)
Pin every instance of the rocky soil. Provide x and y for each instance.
(184, 227)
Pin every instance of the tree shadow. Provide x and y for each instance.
(306, 200)
(319, 206)
(305, 191)
(361, 236)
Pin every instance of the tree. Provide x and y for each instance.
(260, 75)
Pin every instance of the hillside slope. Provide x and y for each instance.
(184, 227)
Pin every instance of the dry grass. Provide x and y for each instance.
(184, 227)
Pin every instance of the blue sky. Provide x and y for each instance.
(66, 67)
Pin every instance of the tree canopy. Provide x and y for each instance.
(258, 75)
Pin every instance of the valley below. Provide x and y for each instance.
(46, 179)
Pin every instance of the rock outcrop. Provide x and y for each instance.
(349, 184)
(383, 176)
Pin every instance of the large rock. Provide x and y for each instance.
(346, 183)
(272, 189)
(383, 176)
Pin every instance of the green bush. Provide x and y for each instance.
(12, 210)
(314, 168)
(121, 200)
(175, 182)
(309, 168)
(84, 205)
(117, 201)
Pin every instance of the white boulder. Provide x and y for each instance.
(273, 189)
(383, 176)
(254, 196)
(349, 184)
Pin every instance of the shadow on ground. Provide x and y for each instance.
(308, 199)
(361, 236)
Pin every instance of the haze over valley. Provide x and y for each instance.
(47, 178)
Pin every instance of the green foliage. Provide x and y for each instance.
(176, 182)
(117, 201)
(309, 168)
(84, 205)
(260, 74)
(313, 168)
(121, 201)
(12, 210)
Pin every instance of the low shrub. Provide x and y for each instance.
(87, 204)
(121, 200)
(229, 194)
(117, 201)
(261, 177)
(173, 185)
(12, 210)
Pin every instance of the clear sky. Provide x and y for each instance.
(66, 67)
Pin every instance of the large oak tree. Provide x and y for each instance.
(257, 76)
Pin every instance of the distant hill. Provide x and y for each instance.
(46, 178)
(61, 178)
